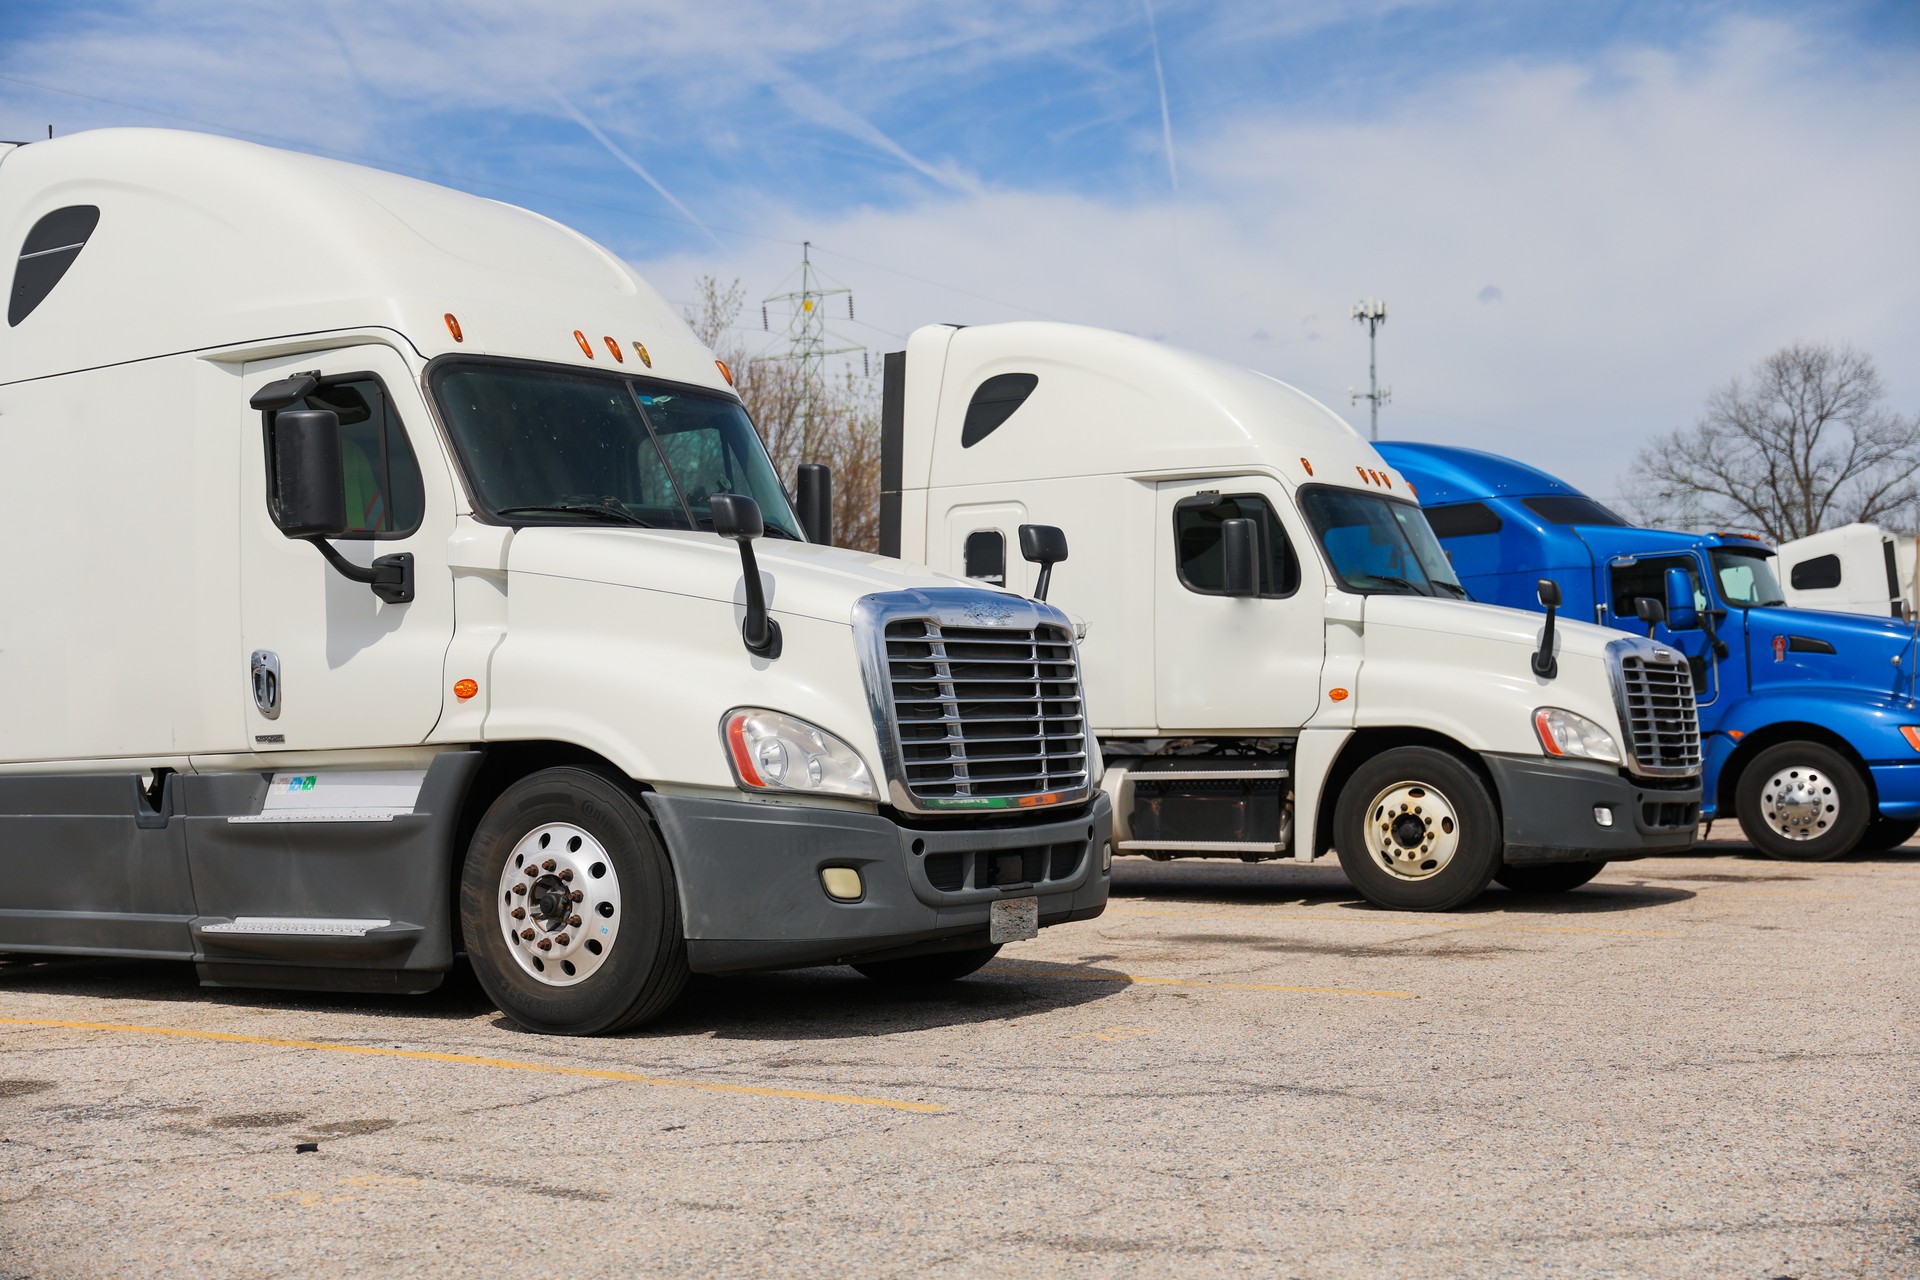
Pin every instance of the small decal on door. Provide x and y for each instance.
(302, 782)
(1779, 648)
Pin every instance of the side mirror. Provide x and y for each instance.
(813, 496)
(1545, 665)
(737, 517)
(1239, 557)
(1650, 611)
(309, 494)
(1682, 614)
(1046, 546)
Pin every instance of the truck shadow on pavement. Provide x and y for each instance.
(826, 1003)
(1324, 889)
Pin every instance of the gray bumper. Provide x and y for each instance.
(750, 888)
(1548, 809)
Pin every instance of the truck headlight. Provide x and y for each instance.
(774, 752)
(1563, 733)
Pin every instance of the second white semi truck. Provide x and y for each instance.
(1278, 657)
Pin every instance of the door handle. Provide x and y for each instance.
(266, 682)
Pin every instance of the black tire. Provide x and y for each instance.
(944, 966)
(1886, 833)
(642, 969)
(1551, 877)
(1417, 773)
(1836, 810)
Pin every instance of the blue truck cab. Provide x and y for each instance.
(1810, 731)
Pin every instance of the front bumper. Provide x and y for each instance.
(1897, 787)
(751, 897)
(1548, 807)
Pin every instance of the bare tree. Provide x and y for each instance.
(1801, 445)
(835, 421)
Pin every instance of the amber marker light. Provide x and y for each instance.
(453, 327)
(586, 348)
(640, 349)
(1911, 732)
(742, 755)
(1338, 695)
(1308, 465)
(465, 689)
(725, 372)
(619, 357)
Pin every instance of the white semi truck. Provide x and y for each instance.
(391, 573)
(1279, 659)
(1856, 568)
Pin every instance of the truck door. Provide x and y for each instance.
(322, 662)
(1226, 663)
(1630, 578)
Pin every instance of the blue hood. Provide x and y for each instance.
(1863, 651)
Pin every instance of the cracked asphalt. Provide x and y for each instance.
(1695, 1066)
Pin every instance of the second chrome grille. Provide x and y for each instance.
(984, 716)
(1663, 727)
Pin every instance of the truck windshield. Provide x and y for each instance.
(1747, 579)
(553, 446)
(1379, 545)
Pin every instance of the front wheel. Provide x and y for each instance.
(1802, 801)
(1886, 833)
(569, 907)
(1416, 830)
(1552, 877)
(945, 966)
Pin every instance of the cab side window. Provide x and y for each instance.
(385, 496)
(1649, 578)
(1197, 553)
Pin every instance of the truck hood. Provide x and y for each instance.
(1468, 619)
(799, 578)
(1810, 648)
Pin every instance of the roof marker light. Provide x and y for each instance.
(724, 371)
(586, 347)
(1307, 465)
(640, 349)
(614, 347)
(453, 327)
(1362, 471)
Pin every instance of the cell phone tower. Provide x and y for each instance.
(809, 341)
(1372, 312)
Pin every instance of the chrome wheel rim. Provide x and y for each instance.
(1799, 803)
(1412, 831)
(559, 904)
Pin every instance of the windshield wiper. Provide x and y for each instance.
(1459, 592)
(580, 509)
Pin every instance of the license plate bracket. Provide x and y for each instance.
(1013, 920)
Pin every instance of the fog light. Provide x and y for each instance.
(842, 883)
(1106, 855)
(1603, 815)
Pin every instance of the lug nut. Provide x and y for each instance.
(548, 865)
(545, 944)
(520, 889)
(533, 871)
(574, 921)
(562, 939)
(527, 934)
(575, 896)
(519, 913)
(566, 873)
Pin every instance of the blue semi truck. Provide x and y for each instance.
(1810, 731)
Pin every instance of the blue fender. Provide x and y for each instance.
(1868, 724)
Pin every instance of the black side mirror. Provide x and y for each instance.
(814, 497)
(1239, 557)
(1046, 546)
(1545, 665)
(309, 495)
(310, 498)
(737, 516)
(1650, 611)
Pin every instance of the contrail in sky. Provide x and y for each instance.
(632, 164)
(1166, 119)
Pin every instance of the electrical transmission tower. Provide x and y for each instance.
(1372, 313)
(809, 341)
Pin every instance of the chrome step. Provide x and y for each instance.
(1202, 775)
(297, 926)
(1202, 846)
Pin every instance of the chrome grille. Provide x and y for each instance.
(984, 716)
(1656, 704)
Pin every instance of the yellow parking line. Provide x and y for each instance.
(1270, 915)
(1137, 980)
(507, 1064)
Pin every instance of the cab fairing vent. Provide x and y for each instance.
(985, 716)
(1662, 723)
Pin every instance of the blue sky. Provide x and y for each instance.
(1583, 216)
